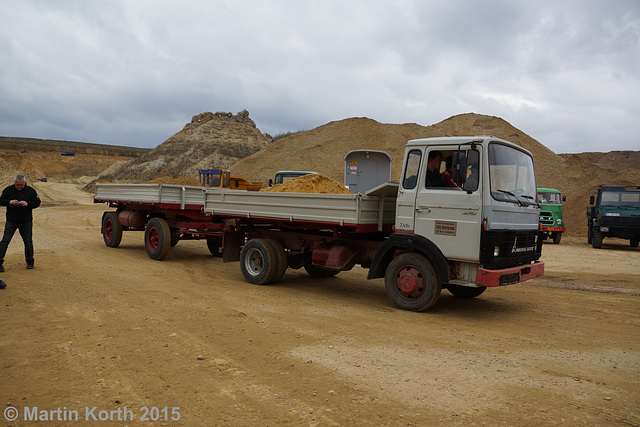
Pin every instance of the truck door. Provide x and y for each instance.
(406, 200)
(450, 216)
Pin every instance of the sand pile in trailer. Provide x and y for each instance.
(314, 183)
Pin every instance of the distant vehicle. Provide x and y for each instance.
(284, 176)
(223, 179)
(67, 153)
(551, 222)
(42, 179)
(614, 212)
(24, 151)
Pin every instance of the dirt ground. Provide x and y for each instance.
(94, 329)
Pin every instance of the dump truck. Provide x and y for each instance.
(223, 179)
(551, 221)
(614, 212)
(481, 234)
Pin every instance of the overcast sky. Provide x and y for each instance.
(134, 72)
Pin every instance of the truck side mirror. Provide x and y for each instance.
(459, 167)
(591, 200)
(564, 198)
(270, 182)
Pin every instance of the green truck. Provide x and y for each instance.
(614, 212)
(551, 222)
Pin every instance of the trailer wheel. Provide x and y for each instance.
(319, 272)
(634, 242)
(596, 238)
(557, 236)
(281, 259)
(258, 262)
(465, 291)
(411, 282)
(213, 243)
(157, 238)
(111, 229)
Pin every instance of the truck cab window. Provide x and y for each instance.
(411, 169)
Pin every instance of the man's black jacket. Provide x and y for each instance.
(19, 214)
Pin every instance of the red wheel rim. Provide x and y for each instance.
(153, 239)
(108, 229)
(410, 282)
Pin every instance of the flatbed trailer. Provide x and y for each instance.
(420, 238)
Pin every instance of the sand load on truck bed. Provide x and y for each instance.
(313, 183)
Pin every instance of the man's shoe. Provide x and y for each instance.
(1, 268)
(29, 266)
(2, 285)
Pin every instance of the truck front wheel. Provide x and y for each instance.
(557, 236)
(411, 282)
(157, 238)
(258, 262)
(596, 238)
(111, 229)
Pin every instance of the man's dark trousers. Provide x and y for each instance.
(26, 231)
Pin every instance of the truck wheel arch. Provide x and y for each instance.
(412, 243)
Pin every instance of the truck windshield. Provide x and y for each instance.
(511, 175)
(553, 198)
(620, 198)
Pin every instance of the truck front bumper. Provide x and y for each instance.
(552, 229)
(509, 276)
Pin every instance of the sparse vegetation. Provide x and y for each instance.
(285, 134)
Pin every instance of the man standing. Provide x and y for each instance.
(20, 200)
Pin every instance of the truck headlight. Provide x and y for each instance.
(559, 221)
(496, 251)
(605, 229)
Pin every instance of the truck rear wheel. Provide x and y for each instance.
(465, 291)
(281, 260)
(258, 262)
(111, 229)
(213, 244)
(634, 242)
(411, 282)
(157, 238)
(557, 236)
(596, 238)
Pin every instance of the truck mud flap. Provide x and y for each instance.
(509, 276)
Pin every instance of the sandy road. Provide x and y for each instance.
(96, 327)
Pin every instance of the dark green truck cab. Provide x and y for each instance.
(614, 212)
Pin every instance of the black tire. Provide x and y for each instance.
(557, 236)
(281, 260)
(319, 272)
(258, 262)
(213, 244)
(465, 291)
(634, 242)
(157, 238)
(111, 229)
(174, 242)
(589, 234)
(411, 282)
(596, 237)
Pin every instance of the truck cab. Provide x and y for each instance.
(614, 212)
(483, 229)
(551, 222)
(285, 175)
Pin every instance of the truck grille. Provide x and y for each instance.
(546, 218)
(515, 248)
(620, 221)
